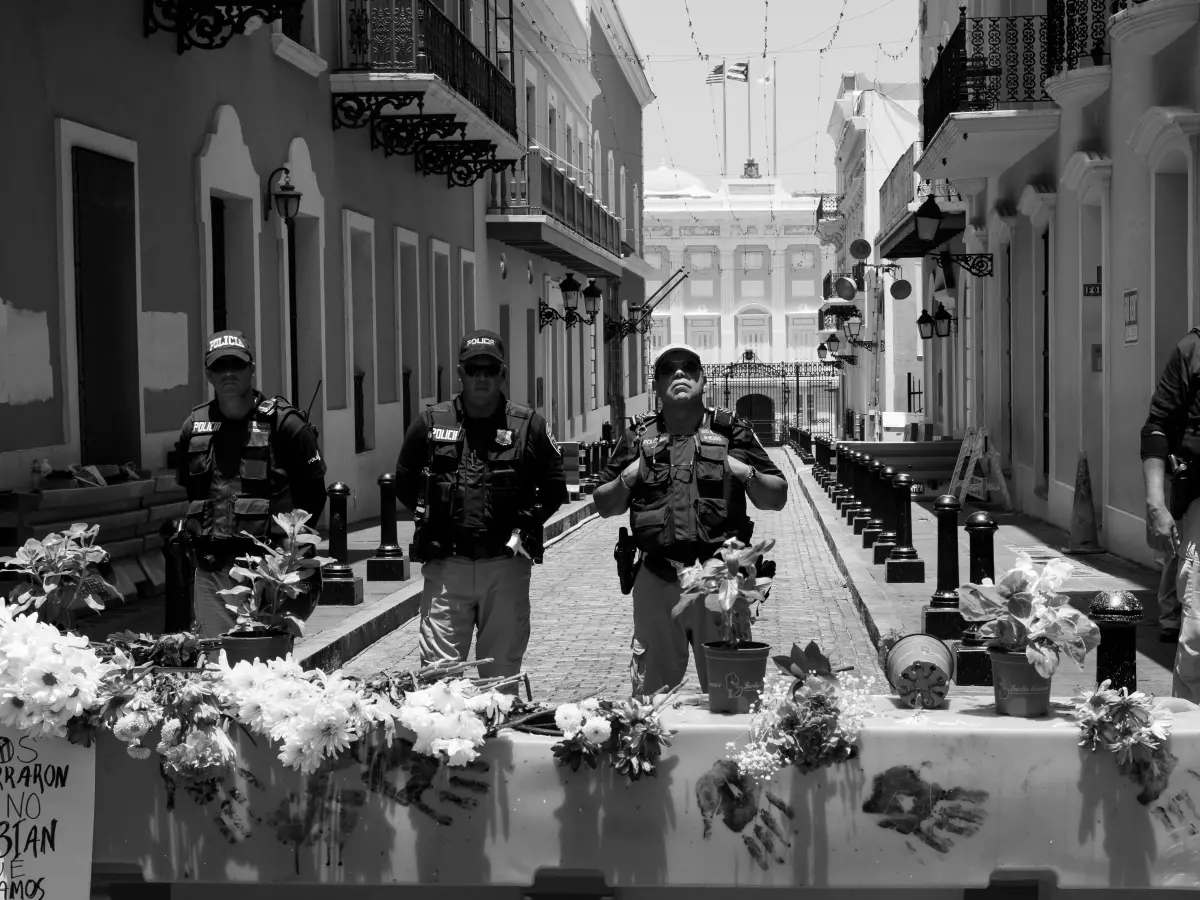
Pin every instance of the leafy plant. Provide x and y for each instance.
(181, 649)
(60, 575)
(272, 579)
(1022, 613)
(729, 585)
(628, 733)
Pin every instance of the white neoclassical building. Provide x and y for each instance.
(753, 260)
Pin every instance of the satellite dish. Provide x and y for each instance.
(845, 288)
(900, 289)
(860, 249)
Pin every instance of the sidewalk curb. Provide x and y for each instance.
(877, 615)
(335, 646)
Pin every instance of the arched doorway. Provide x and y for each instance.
(760, 410)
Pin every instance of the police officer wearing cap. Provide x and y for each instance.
(242, 458)
(482, 475)
(684, 474)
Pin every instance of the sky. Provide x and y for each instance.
(682, 127)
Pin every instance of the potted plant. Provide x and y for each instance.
(278, 592)
(730, 588)
(59, 576)
(1027, 626)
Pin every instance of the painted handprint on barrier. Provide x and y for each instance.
(1180, 817)
(460, 790)
(234, 818)
(909, 804)
(723, 790)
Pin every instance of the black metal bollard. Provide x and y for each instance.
(973, 665)
(1117, 613)
(882, 548)
(389, 562)
(903, 564)
(852, 501)
(180, 576)
(941, 617)
(841, 469)
(341, 586)
(860, 519)
(874, 526)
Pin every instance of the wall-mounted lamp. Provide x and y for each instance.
(283, 197)
(925, 325)
(569, 288)
(942, 321)
(929, 216)
(852, 328)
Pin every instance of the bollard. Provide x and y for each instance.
(941, 617)
(974, 666)
(341, 586)
(585, 462)
(871, 531)
(903, 564)
(882, 548)
(850, 501)
(837, 487)
(1117, 613)
(389, 562)
(180, 576)
(863, 516)
(825, 459)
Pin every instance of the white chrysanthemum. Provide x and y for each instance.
(569, 718)
(597, 729)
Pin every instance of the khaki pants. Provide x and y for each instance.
(462, 595)
(1186, 683)
(212, 617)
(660, 643)
(1169, 608)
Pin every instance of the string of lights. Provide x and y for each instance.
(766, 13)
(837, 26)
(692, 29)
(907, 46)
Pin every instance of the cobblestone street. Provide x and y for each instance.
(582, 623)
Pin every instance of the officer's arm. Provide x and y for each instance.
(768, 489)
(305, 467)
(181, 454)
(612, 498)
(548, 469)
(1168, 409)
(414, 456)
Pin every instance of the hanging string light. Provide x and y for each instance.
(692, 29)
(907, 46)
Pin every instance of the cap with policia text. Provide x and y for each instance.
(227, 343)
(481, 343)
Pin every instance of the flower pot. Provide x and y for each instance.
(250, 646)
(735, 675)
(919, 668)
(1020, 690)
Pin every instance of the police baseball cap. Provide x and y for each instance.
(678, 349)
(481, 343)
(227, 343)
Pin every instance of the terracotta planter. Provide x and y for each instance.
(735, 675)
(250, 646)
(1020, 690)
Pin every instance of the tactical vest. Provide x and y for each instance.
(683, 503)
(221, 507)
(472, 496)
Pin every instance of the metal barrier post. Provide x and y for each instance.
(341, 586)
(389, 562)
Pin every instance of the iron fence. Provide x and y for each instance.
(778, 396)
(1077, 31)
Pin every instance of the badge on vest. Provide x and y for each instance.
(449, 435)
(707, 437)
(205, 427)
(504, 437)
(651, 444)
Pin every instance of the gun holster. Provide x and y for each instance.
(625, 553)
(1183, 485)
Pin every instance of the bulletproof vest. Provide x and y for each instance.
(684, 500)
(223, 507)
(473, 494)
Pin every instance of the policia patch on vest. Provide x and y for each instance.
(448, 435)
(553, 442)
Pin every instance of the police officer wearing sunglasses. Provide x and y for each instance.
(242, 458)
(481, 475)
(684, 474)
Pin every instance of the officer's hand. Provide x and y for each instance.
(1161, 532)
(737, 468)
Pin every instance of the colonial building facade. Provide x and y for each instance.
(145, 215)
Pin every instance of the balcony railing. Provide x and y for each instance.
(1117, 5)
(856, 275)
(828, 205)
(415, 36)
(904, 186)
(540, 188)
(988, 62)
(1077, 34)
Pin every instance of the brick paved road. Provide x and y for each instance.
(582, 624)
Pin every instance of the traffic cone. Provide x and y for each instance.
(1083, 537)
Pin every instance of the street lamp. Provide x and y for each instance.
(928, 216)
(822, 351)
(941, 322)
(569, 288)
(833, 343)
(852, 328)
(283, 196)
(925, 325)
(570, 292)
(591, 300)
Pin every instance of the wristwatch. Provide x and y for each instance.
(750, 478)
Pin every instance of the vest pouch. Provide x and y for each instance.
(710, 471)
(252, 515)
(653, 529)
(199, 519)
(712, 518)
(199, 459)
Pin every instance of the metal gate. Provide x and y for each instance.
(776, 396)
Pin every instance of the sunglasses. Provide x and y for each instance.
(229, 364)
(689, 367)
(485, 371)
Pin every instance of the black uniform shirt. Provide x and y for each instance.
(541, 461)
(1176, 400)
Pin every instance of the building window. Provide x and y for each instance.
(804, 259)
(358, 254)
(754, 332)
(610, 201)
(804, 288)
(752, 259)
(701, 259)
(596, 157)
(752, 289)
(700, 288)
(621, 206)
(660, 334)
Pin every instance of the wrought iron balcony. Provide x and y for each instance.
(211, 24)
(1077, 34)
(1118, 5)
(856, 275)
(827, 206)
(414, 36)
(989, 62)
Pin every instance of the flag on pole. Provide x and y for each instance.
(717, 75)
(739, 72)
(766, 79)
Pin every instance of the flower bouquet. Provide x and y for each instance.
(1135, 728)
(277, 592)
(59, 576)
(628, 733)
(729, 587)
(1027, 625)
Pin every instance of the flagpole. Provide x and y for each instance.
(749, 128)
(724, 122)
(774, 118)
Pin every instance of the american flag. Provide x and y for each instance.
(715, 76)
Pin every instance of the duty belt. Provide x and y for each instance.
(479, 548)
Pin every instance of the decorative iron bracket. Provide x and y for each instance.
(832, 363)
(462, 162)
(357, 110)
(571, 317)
(978, 264)
(404, 134)
(870, 346)
(210, 24)
(622, 328)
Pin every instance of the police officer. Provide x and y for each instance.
(242, 458)
(482, 475)
(1172, 430)
(684, 474)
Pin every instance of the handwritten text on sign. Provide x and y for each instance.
(47, 800)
